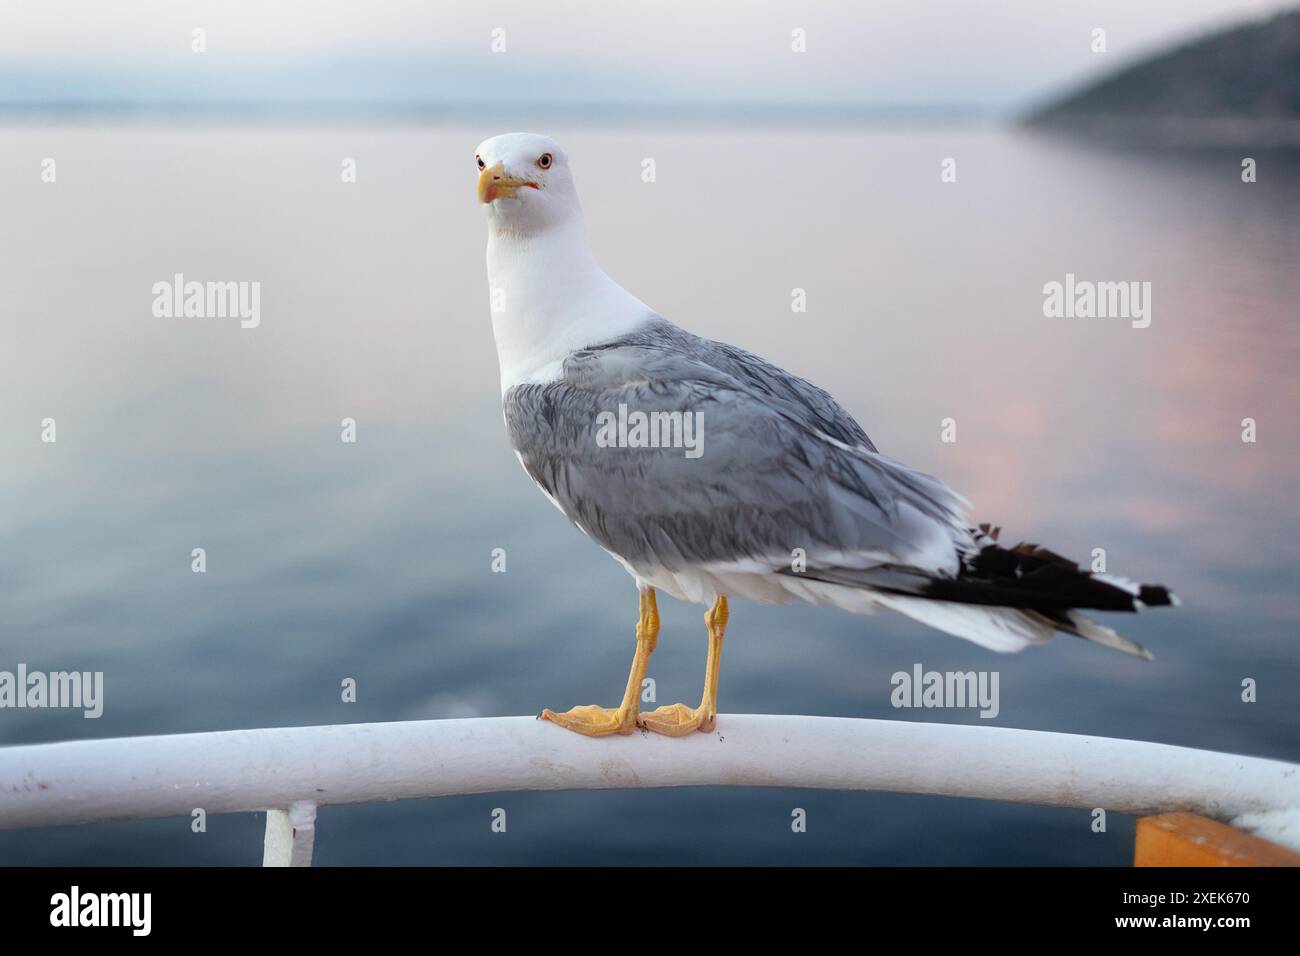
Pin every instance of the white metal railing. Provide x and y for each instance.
(290, 771)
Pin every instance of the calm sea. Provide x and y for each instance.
(372, 560)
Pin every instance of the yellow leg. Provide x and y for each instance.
(678, 720)
(597, 721)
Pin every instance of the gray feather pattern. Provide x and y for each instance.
(783, 465)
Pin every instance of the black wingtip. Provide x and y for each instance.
(1156, 595)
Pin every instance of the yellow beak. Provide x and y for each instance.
(493, 183)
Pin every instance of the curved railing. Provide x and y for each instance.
(291, 771)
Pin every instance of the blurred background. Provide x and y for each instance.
(775, 170)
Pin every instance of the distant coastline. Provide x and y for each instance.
(1237, 87)
(603, 113)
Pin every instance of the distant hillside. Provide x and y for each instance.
(1241, 85)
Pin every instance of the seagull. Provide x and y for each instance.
(707, 471)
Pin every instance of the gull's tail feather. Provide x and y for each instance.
(1000, 629)
(1029, 576)
(1004, 599)
(1008, 629)
(1049, 587)
(1080, 626)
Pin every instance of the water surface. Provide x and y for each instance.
(372, 561)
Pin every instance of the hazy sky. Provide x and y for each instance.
(996, 54)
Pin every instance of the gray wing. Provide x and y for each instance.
(780, 466)
(806, 403)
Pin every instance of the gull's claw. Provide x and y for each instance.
(677, 720)
(593, 721)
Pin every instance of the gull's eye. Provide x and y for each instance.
(544, 161)
(479, 160)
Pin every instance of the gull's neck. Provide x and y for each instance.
(549, 298)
